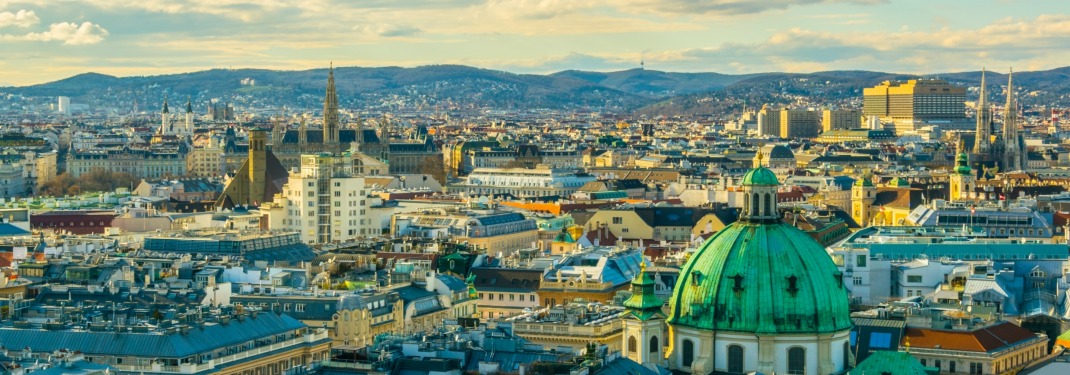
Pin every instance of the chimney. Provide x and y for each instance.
(430, 284)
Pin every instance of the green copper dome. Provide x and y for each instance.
(643, 305)
(761, 278)
(963, 162)
(760, 176)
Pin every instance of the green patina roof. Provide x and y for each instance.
(864, 182)
(643, 304)
(564, 237)
(883, 361)
(760, 176)
(763, 257)
(900, 183)
(963, 164)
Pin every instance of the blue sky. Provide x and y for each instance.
(45, 40)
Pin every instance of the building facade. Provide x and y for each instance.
(325, 202)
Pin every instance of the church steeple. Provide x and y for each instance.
(1012, 152)
(983, 132)
(330, 110)
(643, 304)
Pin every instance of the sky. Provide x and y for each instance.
(47, 40)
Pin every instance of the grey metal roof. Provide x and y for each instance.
(152, 344)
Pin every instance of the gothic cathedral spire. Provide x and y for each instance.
(330, 110)
(984, 122)
(1013, 154)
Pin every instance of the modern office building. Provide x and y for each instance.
(324, 201)
(840, 119)
(912, 104)
(799, 123)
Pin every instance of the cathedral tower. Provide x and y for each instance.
(1013, 154)
(165, 119)
(189, 116)
(257, 164)
(983, 132)
(330, 110)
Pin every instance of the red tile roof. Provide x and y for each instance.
(981, 340)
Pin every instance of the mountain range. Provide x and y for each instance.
(456, 87)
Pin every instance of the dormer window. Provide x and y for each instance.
(696, 278)
(737, 283)
(793, 286)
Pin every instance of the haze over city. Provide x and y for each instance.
(49, 40)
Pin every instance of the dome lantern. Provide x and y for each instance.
(759, 194)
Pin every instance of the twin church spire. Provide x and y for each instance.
(1008, 150)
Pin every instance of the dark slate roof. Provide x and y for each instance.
(670, 216)
(495, 278)
(292, 253)
(153, 344)
(316, 136)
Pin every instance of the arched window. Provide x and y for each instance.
(688, 353)
(632, 345)
(754, 205)
(936, 364)
(746, 201)
(735, 359)
(796, 361)
(654, 344)
(768, 205)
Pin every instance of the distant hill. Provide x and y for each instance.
(451, 87)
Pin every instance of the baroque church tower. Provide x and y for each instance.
(644, 322)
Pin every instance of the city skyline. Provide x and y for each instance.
(51, 40)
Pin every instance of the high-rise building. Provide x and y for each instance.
(64, 105)
(325, 201)
(917, 102)
(841, 119)
(799, 123)
(769, 122)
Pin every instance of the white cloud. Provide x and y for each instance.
(22, 18)
(388, 30)
(70, 33)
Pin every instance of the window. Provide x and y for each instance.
(688, 353)
(286, 307)
(654, 345)
(936, 363)
(857, 280)
(300, 307)
(796, 361)
(618, 220)
(976, 368)
(860, 260)
(913, 278)
(880, 340)
(632, 346)
(951, 366)
(735, 359)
